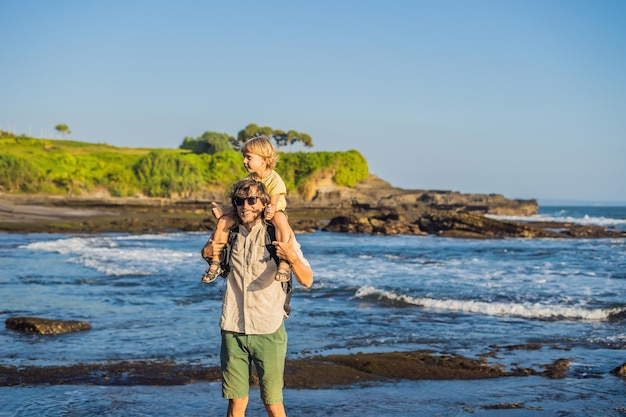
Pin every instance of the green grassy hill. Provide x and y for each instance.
(64, 167)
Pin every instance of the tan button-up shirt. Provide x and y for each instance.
(253, 299)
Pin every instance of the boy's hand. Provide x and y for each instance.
(269, 211)
(217, 210)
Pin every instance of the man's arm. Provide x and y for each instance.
(302, 271)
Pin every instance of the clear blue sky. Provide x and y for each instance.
(524, 98)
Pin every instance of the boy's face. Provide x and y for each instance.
(253, 162)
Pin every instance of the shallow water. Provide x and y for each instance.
(526, 397)
(143, 297)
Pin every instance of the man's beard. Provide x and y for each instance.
(251, 218)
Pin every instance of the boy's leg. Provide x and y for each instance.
(283, 233)
(207, 250)
(283, 229)
(220, 237)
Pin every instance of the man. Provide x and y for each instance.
(253, 306)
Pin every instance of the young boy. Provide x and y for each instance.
(259, 158)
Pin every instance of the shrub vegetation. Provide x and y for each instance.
(30, 165)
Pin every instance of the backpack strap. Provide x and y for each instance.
(270, 236)
(226, 252)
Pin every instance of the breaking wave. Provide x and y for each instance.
(533, 311)
(585, 220)
(113, 256)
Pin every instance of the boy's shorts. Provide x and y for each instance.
(267, 351)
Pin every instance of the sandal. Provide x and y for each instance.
(211, 274)
(284, 272)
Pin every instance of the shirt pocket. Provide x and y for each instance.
(263, 260)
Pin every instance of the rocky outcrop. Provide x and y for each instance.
(471, 225)
(377, 194)
(461, 225)
(302, 373)
(383, 224)
(45, 326)
(620, 370)
(441, 223)
(375, 207)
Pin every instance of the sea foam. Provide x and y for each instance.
(530, 310)
(109, 256)
(586, 220)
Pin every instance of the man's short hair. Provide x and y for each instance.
(246, 187)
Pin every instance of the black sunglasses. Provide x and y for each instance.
(250, 200)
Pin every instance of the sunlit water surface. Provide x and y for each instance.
(143, 297)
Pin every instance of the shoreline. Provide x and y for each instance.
(49, 214)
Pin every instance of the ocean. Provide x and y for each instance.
(143, 297)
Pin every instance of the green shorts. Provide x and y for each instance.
(266, 351)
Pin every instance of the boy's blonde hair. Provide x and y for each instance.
(261, 145)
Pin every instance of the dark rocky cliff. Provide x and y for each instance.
(377, 194)
(375, 207)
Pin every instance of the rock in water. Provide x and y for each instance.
(45, 326)
(620, 370)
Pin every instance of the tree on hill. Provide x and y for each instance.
(281, 137)
(289, 138)
(63, 129)
(209, 142)
(251, 131)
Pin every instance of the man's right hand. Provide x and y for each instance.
(212, 249)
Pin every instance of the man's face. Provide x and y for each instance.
(250, 209)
